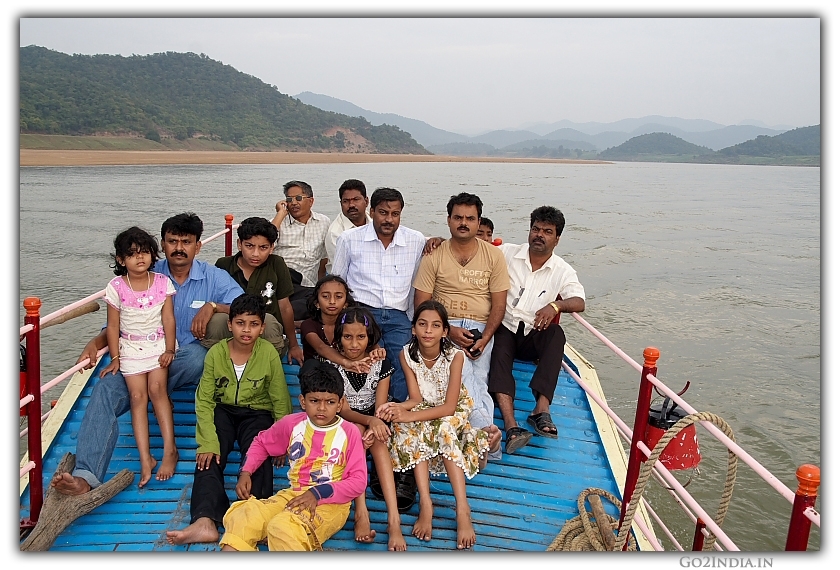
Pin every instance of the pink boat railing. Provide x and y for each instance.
(802, 500)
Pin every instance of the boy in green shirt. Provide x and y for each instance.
(241, 392)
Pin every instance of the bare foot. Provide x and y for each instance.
(167, 468)
(466, 533)
(362, 527)
(423, 527)
(66, 484)
(146, 468)
(202, 530)
(495, 441)
(396, 541)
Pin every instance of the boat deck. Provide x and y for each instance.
(518, 504)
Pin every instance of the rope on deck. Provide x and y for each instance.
(579, 535)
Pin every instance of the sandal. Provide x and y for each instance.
(541, 421)
(517, 438)
(405, 486)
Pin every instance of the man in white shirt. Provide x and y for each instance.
(301, 241)
(353, 214)
(379, 261)
(527, 332)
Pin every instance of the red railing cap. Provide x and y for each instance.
(651, 355)
(809, 479)
(32, 306)
(228, 218)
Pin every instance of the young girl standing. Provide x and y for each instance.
(431, 430)
(357, 334)
(141, 340)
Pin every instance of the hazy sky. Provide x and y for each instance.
(475, 74)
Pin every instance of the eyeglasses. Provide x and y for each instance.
(518, 296)
(299, 198)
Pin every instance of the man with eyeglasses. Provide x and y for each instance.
(354, 201)
(542, 286)
(300, 242)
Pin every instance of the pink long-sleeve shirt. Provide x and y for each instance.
(328, 460)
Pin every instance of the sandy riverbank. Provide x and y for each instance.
(29, 157)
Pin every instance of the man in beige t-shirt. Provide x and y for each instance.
(469, 277)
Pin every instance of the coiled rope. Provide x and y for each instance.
(578, 534)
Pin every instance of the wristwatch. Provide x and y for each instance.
(212, 304)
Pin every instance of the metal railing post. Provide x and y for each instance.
(634, 463)
(229, 234)
(806, 495)
(697, 545)
(33, 408)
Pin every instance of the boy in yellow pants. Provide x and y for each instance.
(327, 471)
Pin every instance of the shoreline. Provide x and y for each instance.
(32, 157)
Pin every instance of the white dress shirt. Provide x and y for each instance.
(532, 290)
(339, 225)
(379, 277)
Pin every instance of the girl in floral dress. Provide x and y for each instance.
(141, 340)
(431, 432)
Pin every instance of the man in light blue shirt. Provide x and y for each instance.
(201, 290)
(378, 261)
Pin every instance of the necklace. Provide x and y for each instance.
(429, 359)
(143, 298)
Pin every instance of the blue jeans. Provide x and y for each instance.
(396, 332)
(99, 430)
(474, 377)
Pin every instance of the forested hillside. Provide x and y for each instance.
(183, 96)
(654, 144)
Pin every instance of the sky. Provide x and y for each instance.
(472, 75)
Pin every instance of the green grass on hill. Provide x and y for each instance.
(68, 142)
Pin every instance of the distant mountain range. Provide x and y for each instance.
(580, 136)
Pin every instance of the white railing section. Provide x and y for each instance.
(674, 487)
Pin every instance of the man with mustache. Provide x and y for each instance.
(469, 277)
(201, 290)
(378, 261)
(354, 202)
(537, 278)
(301, 241)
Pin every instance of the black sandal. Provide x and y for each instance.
(541, 421)
(405, 486)
(517, 438)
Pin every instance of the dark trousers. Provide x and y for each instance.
(298, 301)
(546, 346)
(233, 423)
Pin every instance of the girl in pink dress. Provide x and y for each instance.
(141, 340)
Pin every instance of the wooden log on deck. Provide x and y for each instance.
(60, 510)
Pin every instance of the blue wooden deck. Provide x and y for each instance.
(518, 504)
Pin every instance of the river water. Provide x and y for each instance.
(718, 266)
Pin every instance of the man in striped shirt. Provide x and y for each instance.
(301, 241)
(379, 261)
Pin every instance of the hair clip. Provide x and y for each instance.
(343, 318)
(366, 321)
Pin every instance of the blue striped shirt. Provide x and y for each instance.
(206, 283)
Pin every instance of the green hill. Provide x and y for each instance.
(183, 96)
(804, 141)
(653, 145)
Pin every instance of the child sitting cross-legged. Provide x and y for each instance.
(242, 391)
(327, 471)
